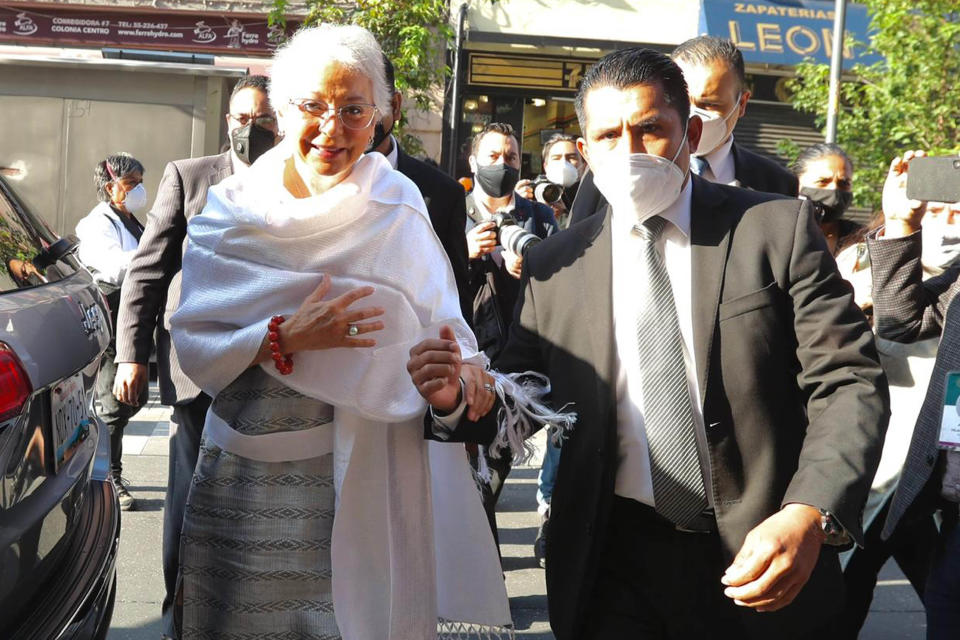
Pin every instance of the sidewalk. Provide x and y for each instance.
(896, 613)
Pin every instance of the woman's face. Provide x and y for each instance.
(323, 144)
(118, 189)
(828, 172)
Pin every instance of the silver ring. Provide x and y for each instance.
(488, 386)
(353, 330)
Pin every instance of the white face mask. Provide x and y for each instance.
(562, 173)
(136, 199)
(639, 185)
(714, 128)
(941, 241)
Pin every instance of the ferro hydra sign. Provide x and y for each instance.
(181, 32)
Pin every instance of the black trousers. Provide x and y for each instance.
(114, 413)
(912, 545)
(657, 583)
(188, 419)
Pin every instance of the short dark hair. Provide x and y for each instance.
(114, 167)
(633, 66)
(703, 50)
(554, 139)
(503, 128)
(253, 81)
(391, 75)
(815, 152)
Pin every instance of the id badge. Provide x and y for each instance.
(950, 422)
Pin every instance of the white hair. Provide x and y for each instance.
(313, 48)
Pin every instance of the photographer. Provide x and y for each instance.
(501, 225)
(908, 308)
(557, 186)
(494, 268)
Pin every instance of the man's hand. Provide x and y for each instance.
(482, 239)
(776, 559)
(434, 367)
(524, 188)
(479, 386)
(902, 216)
(129, 382)
(513, 263)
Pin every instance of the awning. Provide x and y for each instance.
(785, 32)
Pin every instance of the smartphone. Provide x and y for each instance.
(934, 179)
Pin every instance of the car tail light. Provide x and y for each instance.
(15, 385)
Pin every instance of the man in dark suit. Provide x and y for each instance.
(442, 194)
(151, 294)
(908, 308)
(716, 82)
(730, 403)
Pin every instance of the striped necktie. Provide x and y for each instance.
(699, 165)
(678, 489)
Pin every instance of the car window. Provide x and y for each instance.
(23, 240)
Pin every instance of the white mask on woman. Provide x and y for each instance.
(640, 185)
(136, 199)
(714, 128)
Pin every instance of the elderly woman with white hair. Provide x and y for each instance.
(317, 508)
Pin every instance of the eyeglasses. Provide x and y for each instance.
(266, 122)
(352, 116)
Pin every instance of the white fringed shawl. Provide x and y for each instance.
(411, 543)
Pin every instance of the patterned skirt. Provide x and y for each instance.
(255, 554)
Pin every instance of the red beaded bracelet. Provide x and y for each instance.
(284, 363)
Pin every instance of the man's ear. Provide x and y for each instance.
(744, 99)
(582, 148)
(396, 105)
(694, 131)
(472, 161)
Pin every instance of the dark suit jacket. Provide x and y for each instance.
(754, 171)
(444, 199)
(794, 400)
(907, 308)
(151, 288)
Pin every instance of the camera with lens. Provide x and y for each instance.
(511, 236)
(545, 191)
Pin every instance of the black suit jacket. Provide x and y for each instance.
(752, 170)
(795, 402)
(909, 308)
(444, 199)
(151, 288)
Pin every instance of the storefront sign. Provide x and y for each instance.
(560, 75)
(212, 33)
(785, 32)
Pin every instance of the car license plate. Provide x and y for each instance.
(68, 408)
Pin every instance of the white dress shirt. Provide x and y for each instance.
(722, 169)
(105, 244)
(633, 470)
(394, 153)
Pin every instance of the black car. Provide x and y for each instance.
(59, 516)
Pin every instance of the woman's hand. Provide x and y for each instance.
(325, 324)
(902, 216)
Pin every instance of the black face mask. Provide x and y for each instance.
(497, 180)
(828, 204)
(250, 142)
(379, 135)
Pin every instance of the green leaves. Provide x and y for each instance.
(909, 100)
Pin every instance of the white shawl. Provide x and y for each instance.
(410, 543)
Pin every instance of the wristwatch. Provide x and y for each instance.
(835, 534)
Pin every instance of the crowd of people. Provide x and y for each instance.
(356, 351)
